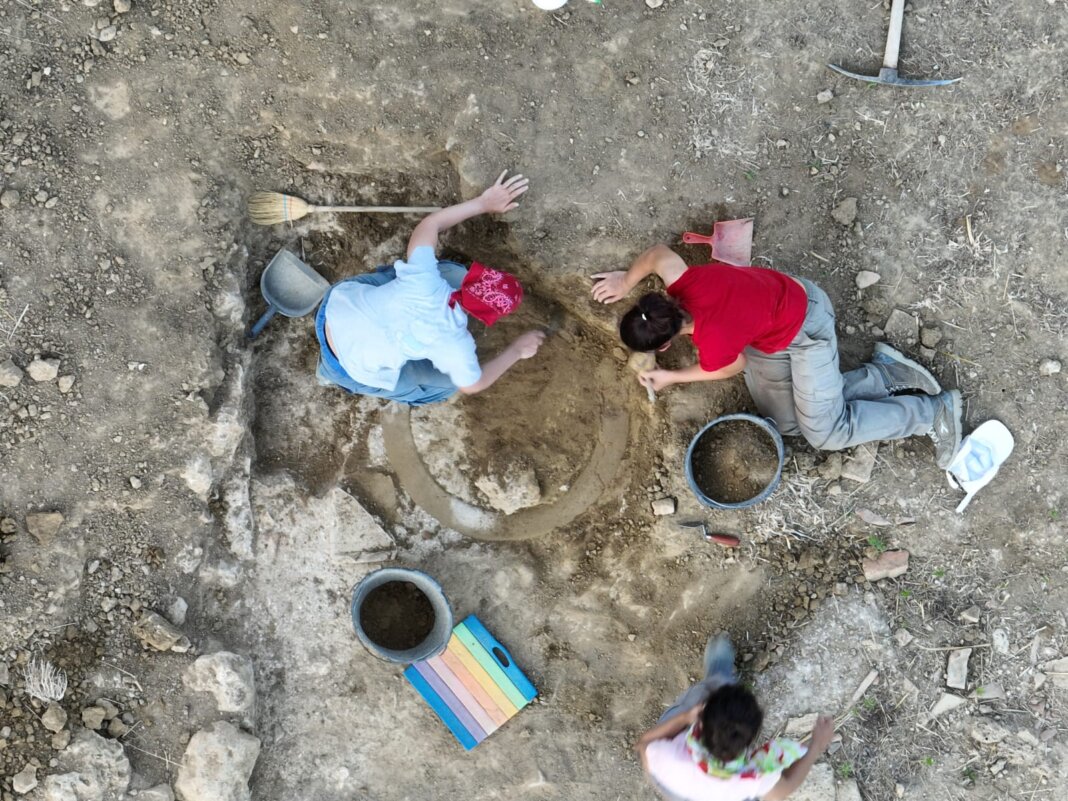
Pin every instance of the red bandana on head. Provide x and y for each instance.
(487, 294)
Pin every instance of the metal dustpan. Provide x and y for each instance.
(731, 241)
(290, 287)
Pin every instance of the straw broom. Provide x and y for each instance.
(270, 208)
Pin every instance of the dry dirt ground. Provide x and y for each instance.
(188, 463)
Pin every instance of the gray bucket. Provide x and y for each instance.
(767, 426)
(441, 630)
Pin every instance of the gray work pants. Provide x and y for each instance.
(804, 392)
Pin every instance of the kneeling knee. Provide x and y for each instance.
(834, 440)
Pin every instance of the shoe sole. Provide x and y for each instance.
(956, 407)
(901, 358)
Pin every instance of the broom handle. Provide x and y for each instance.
(383, 209)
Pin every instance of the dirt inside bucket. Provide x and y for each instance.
(734, 461)
(396, 615)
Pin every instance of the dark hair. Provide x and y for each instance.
(652, 323)
(730, 722)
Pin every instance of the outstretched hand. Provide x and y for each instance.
(656, 379)
(503, 195)
(526, 345)
(822, 734)
(610, 287)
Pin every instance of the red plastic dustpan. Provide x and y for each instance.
(731, 241)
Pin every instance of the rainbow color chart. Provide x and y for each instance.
(474, 686)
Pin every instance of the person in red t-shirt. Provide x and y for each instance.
(779, 331)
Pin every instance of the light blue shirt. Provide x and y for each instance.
(376, 329)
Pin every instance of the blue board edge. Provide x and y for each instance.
(441, 708)
(487, 641)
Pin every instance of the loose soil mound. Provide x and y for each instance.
(734, 461)
(397, 616)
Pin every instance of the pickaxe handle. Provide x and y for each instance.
(893, 36)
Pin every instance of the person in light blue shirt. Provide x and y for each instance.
(400, 333)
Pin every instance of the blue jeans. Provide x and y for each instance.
(804, 392)
(719, 671)
(420, 382)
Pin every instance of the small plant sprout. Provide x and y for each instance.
(845, 770)
(928, 761)
(878, 543)
(939, 572)
(44, 681)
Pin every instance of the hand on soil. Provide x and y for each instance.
(822, 734)
(655, 380)
(501, 197)
(527, 344)
(610, 287)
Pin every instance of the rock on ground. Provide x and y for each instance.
(845, 213)
(902, 328)
(859, 465)
(97, 770)
(161, 792)
(217, 764)
(957, 668)
(44, 525)
(818, 786)
(10, 374)
(25, 780)
(510, 487)
(93, 717)
(866, 278)
(890, 564)
(1058, 670)
(946, 703)
(663, 507)
(154, 630)
(227, 676)
(1046, 367)
(54, 718)
(42, 370)
(849, 791)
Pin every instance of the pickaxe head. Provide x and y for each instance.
(890, 77)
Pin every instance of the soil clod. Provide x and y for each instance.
(397, 615)
(734, 462)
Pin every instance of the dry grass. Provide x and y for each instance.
(44, 681)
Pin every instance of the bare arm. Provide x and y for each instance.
(794, 775)
(669, 728)
(497, 199)
(522, 347)
(658, 379)
(659, 259)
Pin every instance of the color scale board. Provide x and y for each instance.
(474, 686)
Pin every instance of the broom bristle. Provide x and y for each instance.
(271, 208)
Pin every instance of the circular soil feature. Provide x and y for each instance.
(734, 461)
(522, 442)
(396, 616)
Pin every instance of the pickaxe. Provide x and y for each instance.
(888, 74)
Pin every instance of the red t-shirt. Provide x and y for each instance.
(735, 307)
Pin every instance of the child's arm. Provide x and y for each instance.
(794, 775)
(658, 378)
(669, 728)
(497, 199)
(659, 259)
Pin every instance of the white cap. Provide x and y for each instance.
(977, 462)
